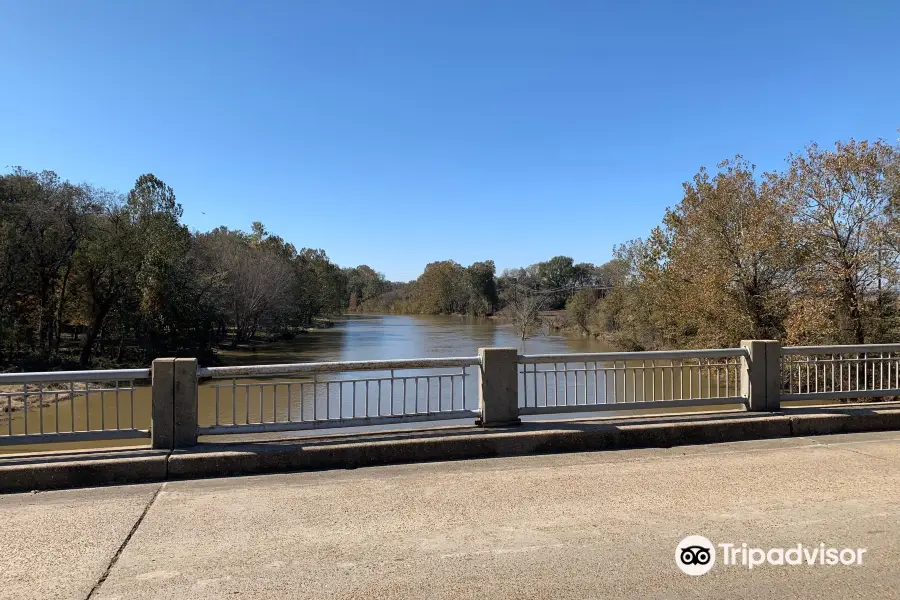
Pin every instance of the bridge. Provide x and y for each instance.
(180, 404)
(722, 443)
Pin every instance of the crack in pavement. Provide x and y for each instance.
(121, 549)
(881, 458)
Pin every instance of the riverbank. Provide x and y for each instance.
(558, 322)
(67, 358)
(16, 397)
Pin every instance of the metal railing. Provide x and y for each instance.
(325, 395)
(68, 406)
(498, 386)
(840, 372)
(557, 383)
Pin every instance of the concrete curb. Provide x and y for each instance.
(211, 461)
(122, 469)
(347, 452)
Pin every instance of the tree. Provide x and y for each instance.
(722, 266)
(255, 280)
(846, 202)
(523, 310)
(364, 284)
(559, 277)
(151, 196)
(613, 273)
(441, 289)
(41, 226)
(581, 307)
(482, 288)
(320, 285)
(105, 271)
(633, 311)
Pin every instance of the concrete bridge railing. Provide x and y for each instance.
(495, 389)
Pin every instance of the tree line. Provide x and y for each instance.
(446, 287)
(808, 255)
(90, 276)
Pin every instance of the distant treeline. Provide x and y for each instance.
(808, 255)
(446, 287)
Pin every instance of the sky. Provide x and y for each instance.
(396, 133)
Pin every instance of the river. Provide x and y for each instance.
(401, 336)
(357, 337)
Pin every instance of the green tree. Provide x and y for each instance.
(558, 277)
(40, 227)
(441, 289)
(105, 272)
(483, 287)
(581, 308)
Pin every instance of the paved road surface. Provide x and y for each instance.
(593, 525)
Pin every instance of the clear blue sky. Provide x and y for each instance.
(397, 133)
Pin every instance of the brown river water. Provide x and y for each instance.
(352, 338)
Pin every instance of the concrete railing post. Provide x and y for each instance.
(761, 374)
(773, 375)
(185, 403)
(162, 411)
(498, 390)
(173, 416)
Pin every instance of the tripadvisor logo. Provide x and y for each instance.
(696, 555)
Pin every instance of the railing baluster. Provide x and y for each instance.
(690, 381)
(672, 379)
(463, 383)
(261, 388)
(555, 387)
(328, 399)
(452, 392)
(405, 411)
(634, 383)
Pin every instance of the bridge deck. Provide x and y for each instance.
(601, 524)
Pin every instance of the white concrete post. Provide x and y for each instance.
(173, 415)
(162, 413)
(761, 375)
(185, 403)
(498, 392)
(773, 375)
